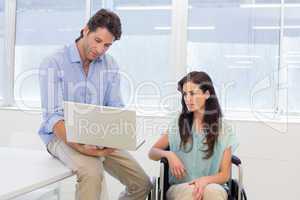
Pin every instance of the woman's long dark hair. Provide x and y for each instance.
(212, 115)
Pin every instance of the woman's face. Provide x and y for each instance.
(194, 97)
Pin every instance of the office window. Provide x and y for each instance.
(291, 53)
(1, 45)
(143, 51)
(42, 27)
(238, 45)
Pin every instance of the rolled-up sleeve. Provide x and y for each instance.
(51, 87)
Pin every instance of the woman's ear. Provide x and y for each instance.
(207, 94)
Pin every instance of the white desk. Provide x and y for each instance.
(23, 171)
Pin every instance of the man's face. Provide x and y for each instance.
(96, 43)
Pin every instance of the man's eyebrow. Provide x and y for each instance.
(108, 43)
(98, 38)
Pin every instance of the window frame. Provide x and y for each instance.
(178, 53)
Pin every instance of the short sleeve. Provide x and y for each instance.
(228, 138)
(51, 89)
(173, 135)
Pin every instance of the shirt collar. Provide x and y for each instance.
(75, 56)
(99, 58)
(74, 53)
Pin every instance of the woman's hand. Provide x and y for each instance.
(199, 186)
(176, 166)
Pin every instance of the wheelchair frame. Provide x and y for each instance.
(161, 185)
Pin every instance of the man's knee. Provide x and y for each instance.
(142, 184)
(93, 174)
(147, 184)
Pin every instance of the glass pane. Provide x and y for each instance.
(291, 54)
(238, 45)
(143, 51)
(59, 23)
(1, 45)
(292, 2)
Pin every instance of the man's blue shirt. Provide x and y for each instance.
(62, 78)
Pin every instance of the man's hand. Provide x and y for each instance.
(91, 150)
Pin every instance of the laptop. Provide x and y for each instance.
(102, 126)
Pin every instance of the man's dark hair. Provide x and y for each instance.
(104, 19)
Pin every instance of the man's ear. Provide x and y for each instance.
(86, 30)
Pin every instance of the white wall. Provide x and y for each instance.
(269, 151)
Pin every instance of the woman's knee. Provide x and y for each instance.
(180, 192)
(214, 192)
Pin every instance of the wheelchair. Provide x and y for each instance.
(234, 187)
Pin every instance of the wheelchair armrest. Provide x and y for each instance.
(164, 161)
(235, 160)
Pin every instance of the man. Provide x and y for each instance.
(82, 72)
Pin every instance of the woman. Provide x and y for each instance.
(200, 144)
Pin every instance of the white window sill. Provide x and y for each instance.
(231, 115)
